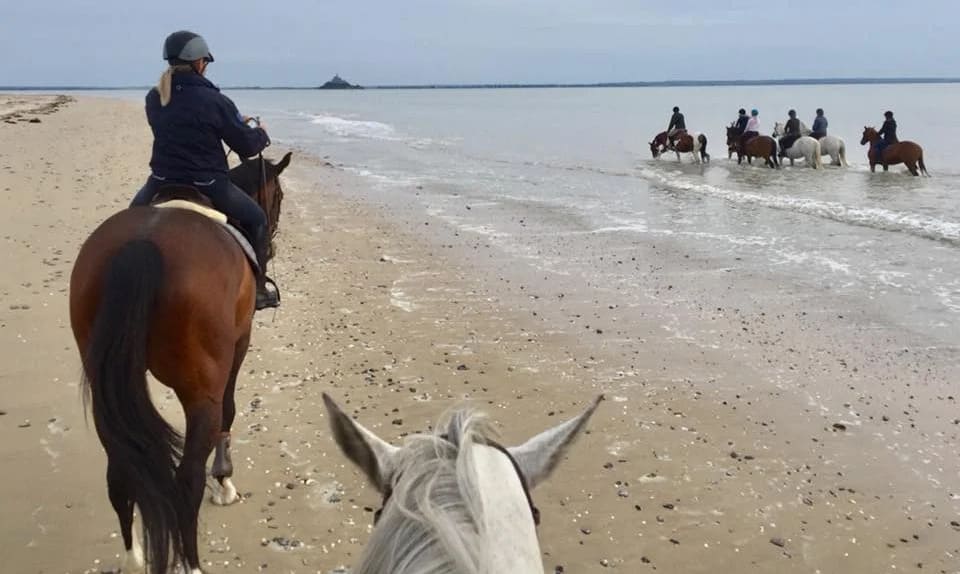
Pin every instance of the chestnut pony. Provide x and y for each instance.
(761, 146)
(170, 291)
(905, 152)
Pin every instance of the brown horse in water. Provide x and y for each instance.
(759, 146)
(905, 152)
(171, 291)
(684, 142)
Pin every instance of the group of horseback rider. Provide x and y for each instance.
(748, 127)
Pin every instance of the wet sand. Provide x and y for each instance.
(699, 461)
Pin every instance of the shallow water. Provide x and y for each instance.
(537, 165)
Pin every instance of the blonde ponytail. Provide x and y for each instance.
(165, 84)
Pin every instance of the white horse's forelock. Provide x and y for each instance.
(433, 522)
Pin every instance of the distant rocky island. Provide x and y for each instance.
(338, 83)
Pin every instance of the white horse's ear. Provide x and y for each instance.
(373, 455)
(539, 456)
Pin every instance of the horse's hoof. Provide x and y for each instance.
(224, 494)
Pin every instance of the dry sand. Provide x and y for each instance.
(696, 463)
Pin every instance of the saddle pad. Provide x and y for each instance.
(220, 218)
(213, 214)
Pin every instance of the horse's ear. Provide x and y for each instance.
(539, 456)
(284, 163)
(373, 455)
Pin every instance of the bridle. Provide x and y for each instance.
(534, 511)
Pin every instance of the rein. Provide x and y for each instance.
(262, 188)
(534, 511)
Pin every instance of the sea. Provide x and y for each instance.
(541, 174)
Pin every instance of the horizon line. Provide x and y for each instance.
(505, 85)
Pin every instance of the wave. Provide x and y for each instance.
(873, 217)
(346, 128)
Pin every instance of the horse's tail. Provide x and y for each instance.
(703, 147)
(141, 446)
(817, 161)
(923, 168)
(843, 154)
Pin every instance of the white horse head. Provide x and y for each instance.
(454, 500)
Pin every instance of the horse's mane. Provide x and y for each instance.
(434, 521)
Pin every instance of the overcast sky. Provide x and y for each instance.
(304, 42)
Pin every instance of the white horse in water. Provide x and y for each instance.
(804, 147)
(454, 501)
(831, 146)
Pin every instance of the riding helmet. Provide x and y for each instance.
(754, 112)
(888, 114)
(792, 113)
(742, 112)
(676, 109)
(186, 46)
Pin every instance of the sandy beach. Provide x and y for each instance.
(698, 461)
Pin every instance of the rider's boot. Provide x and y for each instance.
(266, 297)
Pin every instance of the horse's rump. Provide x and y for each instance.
(202, 261)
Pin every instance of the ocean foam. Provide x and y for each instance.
(874, 217)
(365, 129)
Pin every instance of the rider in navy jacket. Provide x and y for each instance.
(819, 128)
(888, 136)
(187, 132)
(741, 123)
(190, 118)
(889, 130)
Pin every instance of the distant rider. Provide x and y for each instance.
(791, 132)
(752, 129)
(677, 125)
(819, 129)
(888, 134)
(741, 123)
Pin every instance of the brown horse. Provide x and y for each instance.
(684, 142)
(171, 291)
(759, 146)
(905, 152)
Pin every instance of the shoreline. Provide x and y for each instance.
(538, 85)
(696, 462)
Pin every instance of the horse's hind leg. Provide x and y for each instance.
(222, 468)
(121, 498)
(912, 166)
(203, 425)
